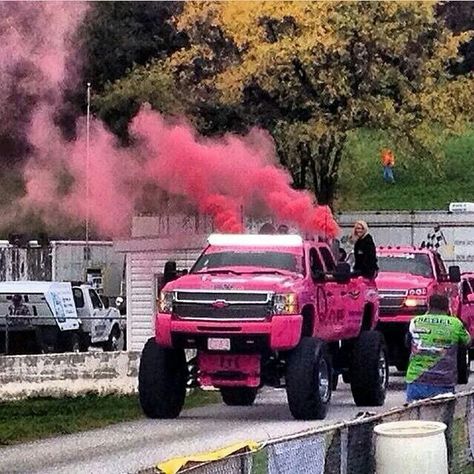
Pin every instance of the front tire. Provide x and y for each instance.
(369, 369)
(308, 380)
(238, 396)
(162, 378)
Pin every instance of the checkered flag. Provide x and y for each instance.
(434, 239)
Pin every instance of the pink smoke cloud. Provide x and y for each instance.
(216, 176)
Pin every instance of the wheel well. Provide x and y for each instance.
(367, 317)
(308, 321)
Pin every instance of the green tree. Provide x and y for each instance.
(118, 35)
(459, 17)
(312, 72)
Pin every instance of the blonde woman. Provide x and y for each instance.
(365, 258)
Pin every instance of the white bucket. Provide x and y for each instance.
(411, 447)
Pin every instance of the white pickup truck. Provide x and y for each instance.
(41, 316)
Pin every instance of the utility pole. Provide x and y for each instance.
(88, 117)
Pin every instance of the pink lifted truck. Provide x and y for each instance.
(407, 277)
(265, 310)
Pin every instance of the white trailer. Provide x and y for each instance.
(39, 317)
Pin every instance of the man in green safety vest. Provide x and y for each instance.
(434, 338)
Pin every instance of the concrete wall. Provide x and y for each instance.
(68, 374)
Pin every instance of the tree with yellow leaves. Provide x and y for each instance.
(311, 72)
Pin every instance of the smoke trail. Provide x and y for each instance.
(216, 176)
(35, 43)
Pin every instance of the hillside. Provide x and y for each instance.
(419, 185)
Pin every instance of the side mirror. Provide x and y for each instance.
(183, 272)
(170, 273)
(343, 273)
(454, 274)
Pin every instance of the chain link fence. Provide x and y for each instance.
(349, 448)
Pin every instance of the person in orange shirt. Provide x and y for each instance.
(388, 162)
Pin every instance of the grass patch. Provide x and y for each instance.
(419, 183)
(27, 420)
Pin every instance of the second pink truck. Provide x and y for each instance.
(265, 310)
(407, 277)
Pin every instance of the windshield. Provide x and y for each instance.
(414, 263)
(277, 261)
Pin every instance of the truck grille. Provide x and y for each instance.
(392, 303)
(224, 305)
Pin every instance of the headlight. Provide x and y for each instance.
(286, 303)
(417, 292)
(412, 302)
(165, 303)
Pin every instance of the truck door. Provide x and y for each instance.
(81, 309)
(336, 295)
(100, 324)
(443, 285)
(323, 301)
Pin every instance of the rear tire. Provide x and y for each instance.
(162, 378)
(464, 366)
(238, 396)
(369, 369)
(308, 380)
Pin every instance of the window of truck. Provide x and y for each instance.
(246, 258)
(439, 266)
(328, 259)
(315, 262)
(78, 297)
(414, 263)
(96, 303)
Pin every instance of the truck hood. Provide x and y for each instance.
(401, 281)
(246, 281)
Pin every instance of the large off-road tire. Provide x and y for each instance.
(308, 380)
(162, 378)
(239, 396)
(464, 366)
(369, 369)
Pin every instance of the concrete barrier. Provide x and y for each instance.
(58, 375)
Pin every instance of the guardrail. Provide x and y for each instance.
(343, 448)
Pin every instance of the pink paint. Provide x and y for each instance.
(216, 176)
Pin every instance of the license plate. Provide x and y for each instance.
(218, 344)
